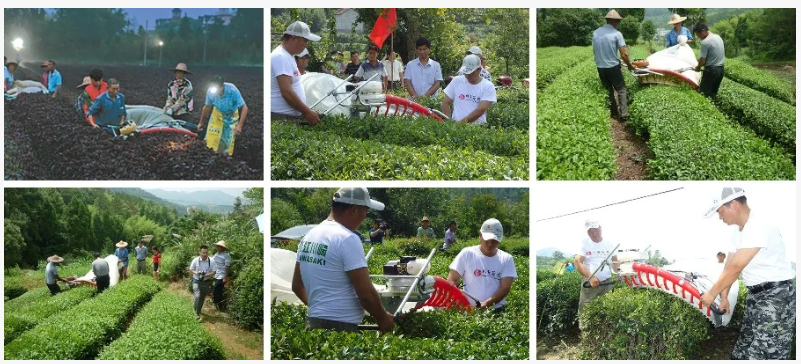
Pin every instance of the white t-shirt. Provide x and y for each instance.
(393, 67)
(326, 254)
(202, 266)
(466, 97)
(482, 274)
(283, 64)
(771, 264)
(221, 262)
(594, 254)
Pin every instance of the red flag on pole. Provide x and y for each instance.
(384, 26)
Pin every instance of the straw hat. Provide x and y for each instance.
(177, 236)
(45, 64)
(122, 244)
(55, 259)
(12, 62)
(147, 238)
(86, 81)
(676, 19)
(612, 14)
(425, 218)
(181, 67)
(222, 244)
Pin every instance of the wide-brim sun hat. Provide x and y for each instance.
(86, 82)
(221, 243)
(181, 67)
(121, 244)
(676, 19)
(55, 259)
(612, 14)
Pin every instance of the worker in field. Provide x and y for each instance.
(450, 236)
(141, 256)
(672, 37)
(425, 231)
(101, 270)
(378, 232)
(180, 103)
(487, 271)
(108, 110)
(423, 75)
(156, 262)
(331, 274)
(302, 60)
(595, 250)
(474, 50)
(471, 95)
(711, 59)
(607, 42)
(93, 86)
(51, 78)
(8, 74)
(228, 112)
(371, 67)
(222, 263)
(203, 270)
(122, 254)
(287, 98)
(757, 251)
(51, 274)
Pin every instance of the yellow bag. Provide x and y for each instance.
(216, 134)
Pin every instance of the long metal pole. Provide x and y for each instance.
(145, 60)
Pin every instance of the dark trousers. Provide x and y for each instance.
(102, 283)
(612, 79)
(217, 292)
(313, 323)
(710, 81)
(394, 85)
(54, 289)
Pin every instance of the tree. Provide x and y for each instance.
(509, 37)
(13, 244)
(566, 27)
(630, 28)
(635, 13)
(283, 215)
(557, 256)
(656, 259)
(647, 31)
(78, 222)
(774, 35)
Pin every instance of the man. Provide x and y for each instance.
(372, 67)
(92, 89)
(471, 95)
(353, 66)
(226, 107)
(141, 255)
(51, 274)
(711, 59)
(101, 270)
(108, 110)
(394, 69)
(302, 60)
(721, 257)
(450, 236)
(607, 41)
(180, 101)
(222, 262)
(202, 269)
(425, 231)
(287, 98)
(484, 72)
(51, 78)
(378, 232)
(122, 254)
(331, 275)
(8, 74)
(488, 272)
(595, 251)
(569, 267)
(672, 37)
(423, 75)
(757, 252)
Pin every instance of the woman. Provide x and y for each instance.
(672, 37)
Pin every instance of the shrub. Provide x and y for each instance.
(12, 288)
(641, 324)
(553, 61)
(80, 332)
(769, 118)
(557, 303)
(27, 298)
(545, 275)
(247, 305)
(24, 318)
(574, 140)
(165, 329)
(759, 80)
(692, 140)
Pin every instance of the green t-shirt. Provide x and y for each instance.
(425, 233)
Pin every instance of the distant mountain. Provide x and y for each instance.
(215, 198)
(138, 192)
(548, 252)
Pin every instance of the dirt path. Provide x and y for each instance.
(238, 344)
(632, 152)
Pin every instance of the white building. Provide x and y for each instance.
(345, 18)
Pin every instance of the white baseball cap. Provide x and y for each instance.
(492, 230)
(471, 63)
(475, 50)
(303, 54)
(301, 29)
(592, 224)
(727, 194)
(357, 196)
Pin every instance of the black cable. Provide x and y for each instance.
(611, 204)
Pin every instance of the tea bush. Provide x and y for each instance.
(247, 303)
(12, 288)
(26, 299)
(750, 76)
(557, 303)
(165, 328)
(545, 275)
(24, 318)
(553, 61)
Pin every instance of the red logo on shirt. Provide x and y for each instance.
(477, 272)
(297, 73)
(461, 97)
(588, 253)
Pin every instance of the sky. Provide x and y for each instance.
(672, 222)
(235, 192)
(139, 16)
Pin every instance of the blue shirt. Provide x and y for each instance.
(51, 271)
(423, 77)
(53, 81)
(230, 101)
(122, 253)
(378, 238)
(606, 41)
(108, 111)
(672, 38)
(8, 78)
(570, 268)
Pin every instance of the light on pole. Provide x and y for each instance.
(161, 45)
(17, 44)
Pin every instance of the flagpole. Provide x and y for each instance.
(392, 62)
